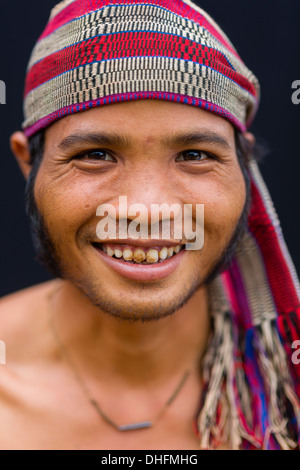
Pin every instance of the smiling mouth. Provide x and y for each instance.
(138, 255)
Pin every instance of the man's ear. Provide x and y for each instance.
(250, 137)
(20, 148)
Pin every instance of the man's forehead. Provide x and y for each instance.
(142, 122)
(173, 140)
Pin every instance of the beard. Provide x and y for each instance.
(48, 254)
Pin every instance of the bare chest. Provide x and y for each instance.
(29, 430)
(58, 417)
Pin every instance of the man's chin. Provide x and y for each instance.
(142, 307)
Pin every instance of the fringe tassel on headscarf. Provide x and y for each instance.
(263, 414)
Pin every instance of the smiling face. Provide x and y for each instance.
(153, 152)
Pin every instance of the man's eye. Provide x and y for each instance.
(102, 155)
(193, 155)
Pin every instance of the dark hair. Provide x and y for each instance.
(42, 242)
(45, 252)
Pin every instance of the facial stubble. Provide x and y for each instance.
(48, 253)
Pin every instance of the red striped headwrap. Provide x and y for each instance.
(99, 51)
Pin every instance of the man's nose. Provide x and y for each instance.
(146, 190)
(147, 203)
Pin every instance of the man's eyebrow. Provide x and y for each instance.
(193, 138)
(113, 139)
(93, 138)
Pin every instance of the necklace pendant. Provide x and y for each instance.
(135, 426)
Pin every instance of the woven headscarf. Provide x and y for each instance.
(97, 52)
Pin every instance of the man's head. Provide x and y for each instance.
(144, 100)
(159, 152)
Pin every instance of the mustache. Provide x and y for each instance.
(183, 229)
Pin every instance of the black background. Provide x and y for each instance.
(267, 36)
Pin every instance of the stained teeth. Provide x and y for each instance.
(110, 252)
(163, 254)
(170, 252)
(127, 255)
(139, 255)
(152, 256)
(118, 253)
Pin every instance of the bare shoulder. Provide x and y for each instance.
(19, 312)
(24, 299)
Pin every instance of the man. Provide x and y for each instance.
(142, 343)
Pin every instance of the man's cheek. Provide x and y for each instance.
(65, 212)
(219, 226)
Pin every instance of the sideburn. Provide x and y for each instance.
(44, 248)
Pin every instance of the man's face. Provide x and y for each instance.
(154, 152)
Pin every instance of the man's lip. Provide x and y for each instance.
(142, 243)
(139, 272)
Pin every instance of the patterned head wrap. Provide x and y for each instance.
(98, 52)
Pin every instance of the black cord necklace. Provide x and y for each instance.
(126, 427)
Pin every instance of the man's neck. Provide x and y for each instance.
(132, 352)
